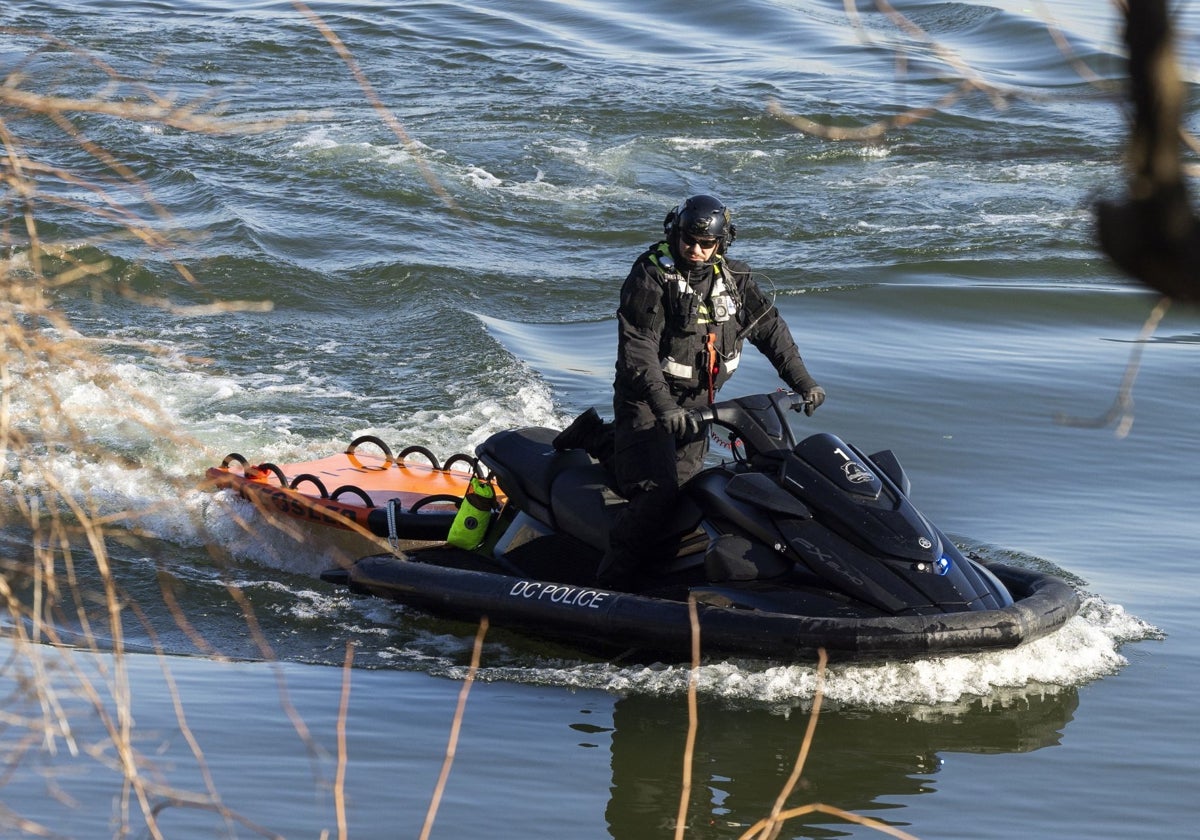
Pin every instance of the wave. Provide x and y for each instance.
(1087, 648)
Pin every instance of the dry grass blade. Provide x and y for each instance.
(228, 815)
(339, 787)
(184, 117)
(769, 828)
(26, 827)
(848, 816)
(214, 796)
(385, 113)
(52, 455)
(806, 745)
(867, 133)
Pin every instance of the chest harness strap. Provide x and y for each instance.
(704, 316)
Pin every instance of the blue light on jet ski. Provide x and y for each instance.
(943, 564)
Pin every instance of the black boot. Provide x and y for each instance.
(589, 433)
(579, 432)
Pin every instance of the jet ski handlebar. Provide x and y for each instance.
(783, 399)
(758, 420)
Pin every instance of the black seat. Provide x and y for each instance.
(567, 490)
(525, 464)
(586, 504)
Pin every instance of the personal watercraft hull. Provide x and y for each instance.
(353, 490)
(447, 582)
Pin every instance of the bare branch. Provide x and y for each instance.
(1153, 234)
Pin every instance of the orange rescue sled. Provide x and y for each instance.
(387, 495)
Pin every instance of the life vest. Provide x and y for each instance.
(701, 349)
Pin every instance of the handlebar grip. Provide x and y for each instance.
(703, 414)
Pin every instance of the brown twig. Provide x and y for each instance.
(771, 829)
(1121, 410)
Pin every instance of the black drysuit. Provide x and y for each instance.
(666, 359)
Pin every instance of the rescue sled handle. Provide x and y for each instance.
(759, 420)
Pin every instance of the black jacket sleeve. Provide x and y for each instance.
(641, 320)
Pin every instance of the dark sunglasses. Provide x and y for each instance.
(688, 241)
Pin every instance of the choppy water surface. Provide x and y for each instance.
(942, 283)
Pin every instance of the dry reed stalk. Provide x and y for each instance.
(773, 823)
(848, 816)
(37, 338)
(65, 522)
(1153, 234)
(455, 728)
(56, 518)
(769, 827)
(339, 787)
(1120, 413)
(689, 751)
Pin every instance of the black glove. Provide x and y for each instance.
(679, 422)
(813, 397)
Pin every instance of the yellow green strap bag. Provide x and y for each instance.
(474, 515)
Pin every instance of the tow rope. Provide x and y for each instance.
(714, 365)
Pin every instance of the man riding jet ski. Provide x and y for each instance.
(685, 311)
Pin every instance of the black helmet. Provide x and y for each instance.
(701, 215)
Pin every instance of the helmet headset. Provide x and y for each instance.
(701, 216)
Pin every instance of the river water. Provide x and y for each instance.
(455, 272)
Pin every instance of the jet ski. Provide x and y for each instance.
(784, 548)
